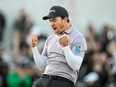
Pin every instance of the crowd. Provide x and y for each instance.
(19, 69)
(99, 65)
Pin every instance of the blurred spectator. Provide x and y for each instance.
(17, 78)
(23, 55)
(2, 25)
(4, 56)
(22, 27)
(111, 63)
(107, 34)
(94, 73)
(23, 22)
(3, 74)
(5, 62)
(92, 39)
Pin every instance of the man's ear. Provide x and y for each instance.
(65, 20)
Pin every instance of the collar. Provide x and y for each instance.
(69, 30)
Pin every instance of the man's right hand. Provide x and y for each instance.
(34, 40)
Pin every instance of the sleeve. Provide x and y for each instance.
(40, 59)
(79, 45)
(75, 55)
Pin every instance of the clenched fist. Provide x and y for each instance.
(34, 40)
(63, 40)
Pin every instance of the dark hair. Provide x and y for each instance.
(67, 19)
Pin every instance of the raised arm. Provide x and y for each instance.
(40, 60)
(74, 61)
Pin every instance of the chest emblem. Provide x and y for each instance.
(78, 49)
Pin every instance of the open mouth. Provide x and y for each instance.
(54, 28)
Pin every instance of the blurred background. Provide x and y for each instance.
(96, 19)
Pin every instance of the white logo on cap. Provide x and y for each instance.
(52, 10)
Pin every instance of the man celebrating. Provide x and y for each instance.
(63, 52)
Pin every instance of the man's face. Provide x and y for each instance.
(57, 24)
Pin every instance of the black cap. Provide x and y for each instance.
(56, 11)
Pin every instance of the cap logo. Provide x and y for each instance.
(52, 10)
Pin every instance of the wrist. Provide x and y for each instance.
(64, 45)
(35, 47)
